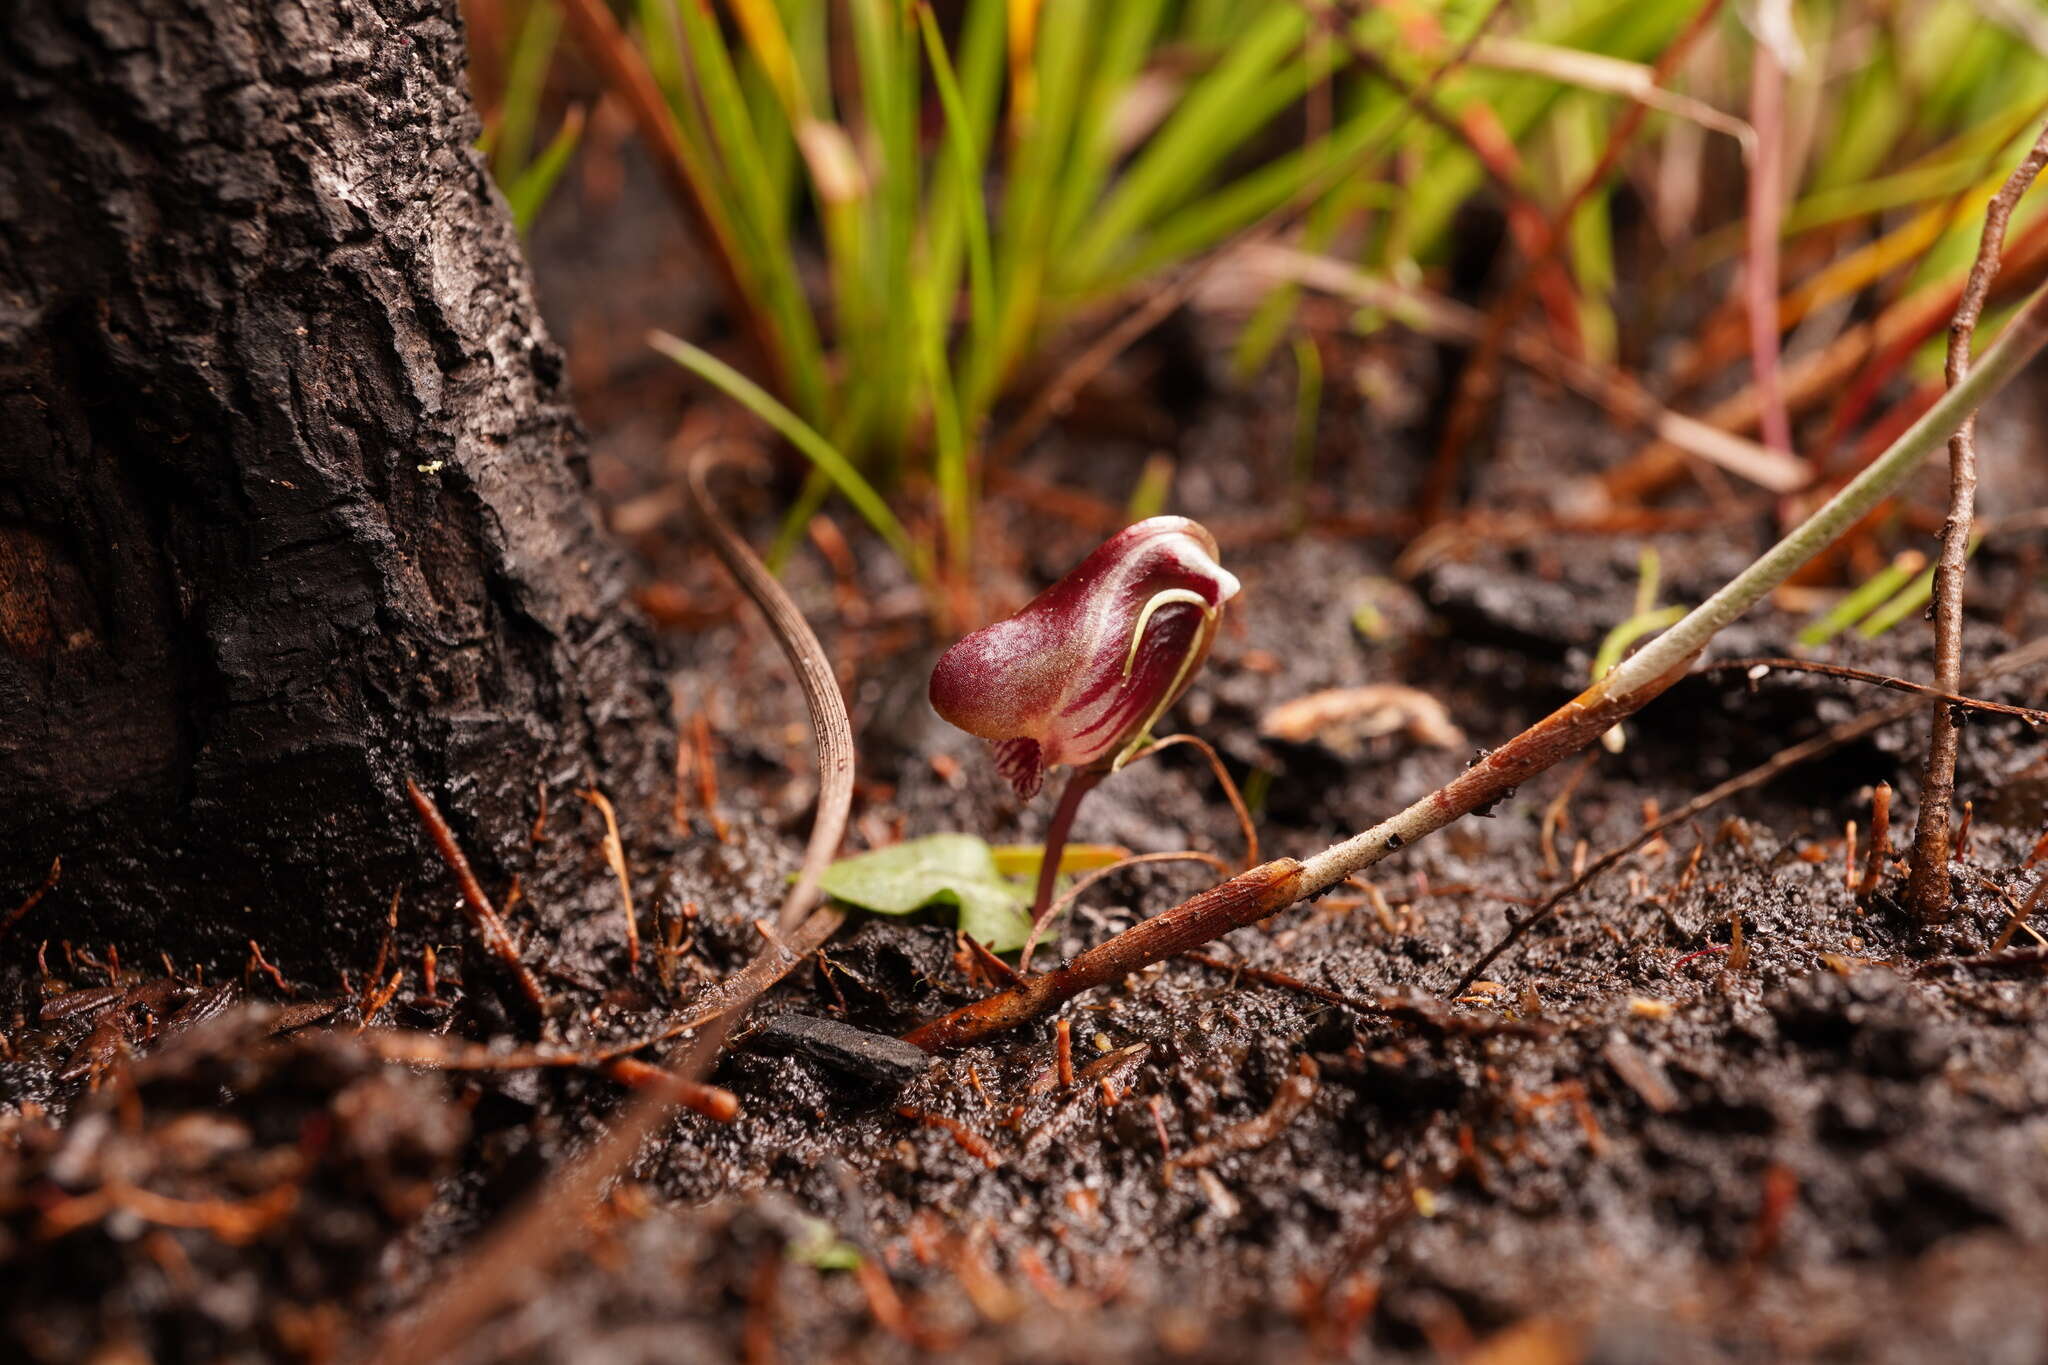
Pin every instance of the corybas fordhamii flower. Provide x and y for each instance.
(1081, 674)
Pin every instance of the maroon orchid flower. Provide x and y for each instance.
(1079, 677)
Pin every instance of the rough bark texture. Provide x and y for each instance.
(292, 504)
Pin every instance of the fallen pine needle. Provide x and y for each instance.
(615, 854)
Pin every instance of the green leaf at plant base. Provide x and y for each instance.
(939, 869)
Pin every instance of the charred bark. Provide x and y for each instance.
(292, 503)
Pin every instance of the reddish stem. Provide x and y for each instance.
(1079, 783)
(1766, 113)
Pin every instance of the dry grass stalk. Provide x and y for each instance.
(1927, 886)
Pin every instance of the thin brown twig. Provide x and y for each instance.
(1223, 779)
(375, 1001)
(721, 1106)
(258, 961)
(370, 982)
(20, 912)
(1490, 141)
(969, 1141)
(1290, 1099)
(447, 1054)
(1074, 892)
(1422, 1013)
(1722, 338)
(2020, 912)
(1245, 899)
(2018, 957)
(1854, 397)
(1626, 400)
(993, 967)
(1887, 680)
(1862, 356)
(483, 917)
(2025, 657)
(679, 800)
(1927, 886)
(234, 1223)
(707, 775)
(1495, 154)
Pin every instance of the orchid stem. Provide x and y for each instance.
(1080, 782)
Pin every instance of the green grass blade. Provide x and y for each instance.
(810, 499)
(733, 237)
(767, 39)
(1209, 219)
(1617, 641)
(958, 212)
(1907, 601)
(715, 103)
(728, 119)
(1636, 31)
(1863, 600)
(1059, 61)
(1578, 134)
(1952, 169)
(1154, 486)
(950, 467)
(526, 75)
(815, 448)
(886, 56)
(1308, 407)
(1255, 79)
(530, 187)
(1132, 27)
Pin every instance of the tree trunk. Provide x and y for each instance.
(292, 504)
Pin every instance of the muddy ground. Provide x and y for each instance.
(1714, 1110)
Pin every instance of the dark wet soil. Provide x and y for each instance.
(1714, 1110)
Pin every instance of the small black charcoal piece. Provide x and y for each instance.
(873, 1057)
